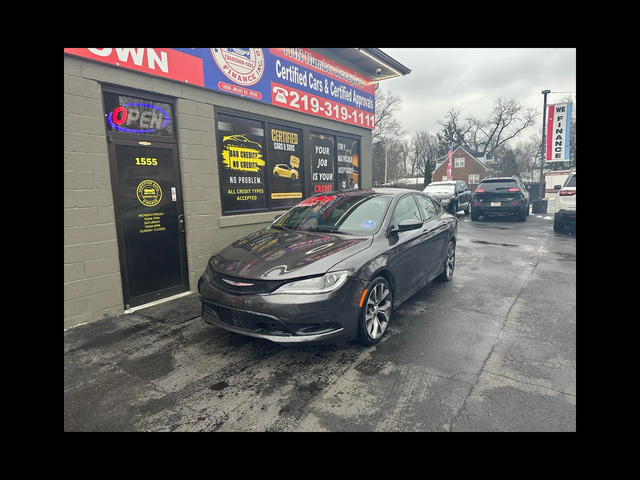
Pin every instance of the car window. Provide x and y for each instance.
(406, 209)
(429, 210)
(571, 181)
(355, 213)
(495, 185)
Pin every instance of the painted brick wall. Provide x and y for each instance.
(92, 281)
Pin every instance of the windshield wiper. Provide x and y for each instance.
(280, 227)
(326, 230)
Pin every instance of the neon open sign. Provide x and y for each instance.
(140, 116)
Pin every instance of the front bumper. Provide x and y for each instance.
(286, 319)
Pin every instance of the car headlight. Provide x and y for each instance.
(325, 284)
(444, 201)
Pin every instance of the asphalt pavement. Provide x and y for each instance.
(492, 350)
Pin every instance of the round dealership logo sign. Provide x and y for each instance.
(243, 66)
(149, 193)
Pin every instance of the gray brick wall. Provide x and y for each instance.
(92, 281)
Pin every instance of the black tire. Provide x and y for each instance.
(522, 215)
(468, 209)
(475, 216)
(557, 225)
(449, 262)
(372, 325)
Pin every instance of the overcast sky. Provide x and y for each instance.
(471, 79)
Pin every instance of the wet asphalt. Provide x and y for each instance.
(492, 350)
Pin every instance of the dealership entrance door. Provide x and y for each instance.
(149, 219)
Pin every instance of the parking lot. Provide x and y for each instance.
(492, 350)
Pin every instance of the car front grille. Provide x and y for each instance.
(240, 286)
(243, 320)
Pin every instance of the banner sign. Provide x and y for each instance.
(284, 151)
(242, 165)
(297, 79)
(558, 128)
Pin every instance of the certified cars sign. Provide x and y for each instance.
(299, 79)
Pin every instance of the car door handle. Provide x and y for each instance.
(181, 226)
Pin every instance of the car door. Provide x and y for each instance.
(436, 233)
(466, 193)
(409, 262)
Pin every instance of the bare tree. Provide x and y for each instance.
(388, 105)
(422, 153)
(508, 119)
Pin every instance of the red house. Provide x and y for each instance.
(467, 165)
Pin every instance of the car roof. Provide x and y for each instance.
(498, 179)
(445, 182)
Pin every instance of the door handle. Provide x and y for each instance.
(181, 226)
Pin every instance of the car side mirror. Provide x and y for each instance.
(557, 187)
(405, 225)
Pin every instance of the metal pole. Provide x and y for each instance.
(542, 149)
(385, 163)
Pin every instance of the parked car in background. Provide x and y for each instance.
(331, 269)
(565, 204)
(453, 195)
(500, 196)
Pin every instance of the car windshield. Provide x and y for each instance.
(495, 185)
(355, 213)
(439, 188)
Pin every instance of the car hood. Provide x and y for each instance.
(286, 254)
(441, 195)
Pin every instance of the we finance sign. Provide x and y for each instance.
(558, 130)
(299, 79)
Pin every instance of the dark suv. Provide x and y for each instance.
(500, 196)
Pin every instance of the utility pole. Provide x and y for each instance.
(385, 163)
(542, 149)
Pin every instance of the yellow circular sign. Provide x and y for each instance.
(149, 193)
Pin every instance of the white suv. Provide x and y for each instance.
(565, 204)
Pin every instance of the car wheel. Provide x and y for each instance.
(527, 209)
(466, 210)
(376, 312)
(475, 216)
(522, 216)
(294, 178)
(449, 263)
(557, 225)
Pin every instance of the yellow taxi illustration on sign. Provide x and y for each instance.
(283, 170)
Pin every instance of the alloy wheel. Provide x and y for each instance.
(451, 260)
(378, 311)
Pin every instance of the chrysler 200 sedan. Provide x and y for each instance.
(331, 269)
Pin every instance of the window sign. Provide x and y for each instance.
(242, 167)
(348, 164)
(128, 114)
(284, 151)
(322, 162)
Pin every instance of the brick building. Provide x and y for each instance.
(468, 165)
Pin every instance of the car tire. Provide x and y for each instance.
(449, 262)
(293, 178)
(527, 209)
(522, 215)
(376, 309)
(558, 226)
(475, 216)
(468, 209)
